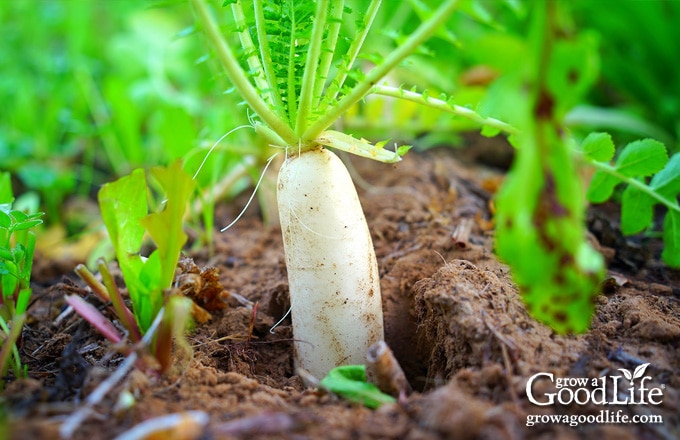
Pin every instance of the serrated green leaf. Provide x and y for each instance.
(671, 239)
(403, 149)
(642, 158)
(349, 381)
(360, 147)
(636, 211)
(165, 227)
(599, 146)
(667, 181)
(601, 187)
(123, 204)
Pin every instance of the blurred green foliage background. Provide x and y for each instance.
(90, 90)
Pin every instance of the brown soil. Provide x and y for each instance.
(453, 318)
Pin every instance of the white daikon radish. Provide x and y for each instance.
(332, 269)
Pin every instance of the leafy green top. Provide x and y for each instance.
(294, 73)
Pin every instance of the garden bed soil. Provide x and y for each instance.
(453, 318)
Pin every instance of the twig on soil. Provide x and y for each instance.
(461, 234)
(72, 423)
(187, 425)
(265, 423)
(383, 369)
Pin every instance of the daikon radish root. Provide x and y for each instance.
(332, 269)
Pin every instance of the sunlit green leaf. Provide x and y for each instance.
(123, 204)
(636, 210)
(349, 381)
(601, 187)
(642, 158)
(599, 146)
(165, 227)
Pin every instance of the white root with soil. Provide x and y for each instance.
(332, 269)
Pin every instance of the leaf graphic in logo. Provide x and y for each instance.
(627, 374)
(639, 371)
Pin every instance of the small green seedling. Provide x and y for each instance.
(125, 213)
(17, 245)
(636, 162)
(349, 382)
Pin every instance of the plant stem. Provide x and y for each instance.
(254, 64)
(309, 76)
(605, 167)
(238, 77)
(360, 90)
(265, 52)
(291, 97)
(124, 314)
(9, 345)
(331, 40)
(440, 104)
(356, 45)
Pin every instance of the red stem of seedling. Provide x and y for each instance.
(121, 310)
(94, 317)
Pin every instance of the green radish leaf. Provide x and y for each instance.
(349, 381)
(123, 205)
(165, 227)
(360, 147)
(573, 69)
(642, 158)
(636, 211)
(599, 146)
